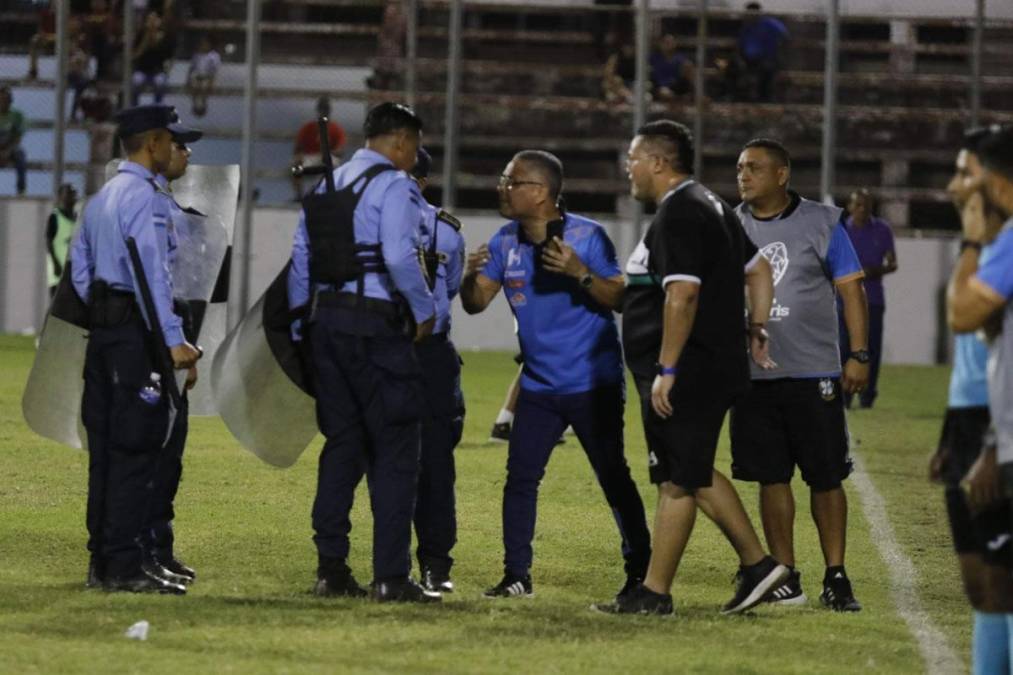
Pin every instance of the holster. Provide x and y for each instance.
(108, 307)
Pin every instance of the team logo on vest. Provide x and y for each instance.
(652, 459)
(513, 257)
(776, 254)
(637, 263)
(827, 390)
(518, 300)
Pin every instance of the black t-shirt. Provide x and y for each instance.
(695, 236)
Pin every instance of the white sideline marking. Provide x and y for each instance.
(939, 657)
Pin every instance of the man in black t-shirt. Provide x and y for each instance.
(684, 336)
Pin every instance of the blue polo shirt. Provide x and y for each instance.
(570, 343)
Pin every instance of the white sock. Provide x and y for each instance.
(505, 417)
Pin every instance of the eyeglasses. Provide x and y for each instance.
(509, 183)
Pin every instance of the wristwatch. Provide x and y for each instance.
(860, 355)
(587, 280)
(665, 370)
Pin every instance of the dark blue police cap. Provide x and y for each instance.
(423, 162)
(143, 118)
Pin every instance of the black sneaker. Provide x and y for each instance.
(403, 591)
(500, 433)
(512, 587)
(144, 582)
(754, 583)
(94, 578)
(154, 568)
(638, 600)
(437, 582)
(632, 581)
(339, 585)
(837, 594)
(177, 566)
(790, 592)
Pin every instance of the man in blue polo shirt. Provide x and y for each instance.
(560, 275)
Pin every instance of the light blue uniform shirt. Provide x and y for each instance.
(450, 249)
(969, 381)
(389, 213)
(129, 205)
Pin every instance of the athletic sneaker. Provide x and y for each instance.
(500, 433)
(837, 594)
(790, 592)
(639, 600)
(512, 586)
(754, 583)
(632, 581)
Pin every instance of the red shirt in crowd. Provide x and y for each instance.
(307, 141)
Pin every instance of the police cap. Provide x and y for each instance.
(143, 118)
(423, 162)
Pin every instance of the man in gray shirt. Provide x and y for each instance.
(794, 414)
(979, 295)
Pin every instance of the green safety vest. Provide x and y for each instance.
(61, 245)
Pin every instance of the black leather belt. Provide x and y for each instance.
(344, 300)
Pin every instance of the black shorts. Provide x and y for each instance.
(779, 424)
(681, 449)
(988, 533)
(961, 440)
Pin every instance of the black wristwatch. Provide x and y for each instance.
(860, 355)
(587, 280)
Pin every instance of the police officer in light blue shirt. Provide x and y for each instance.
(443, 418)
(355, 271)
(127, 426)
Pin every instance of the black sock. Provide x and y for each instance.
(834, 571)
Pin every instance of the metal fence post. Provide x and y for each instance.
(976, 49)
(60, 114)
(450, 126)
(128, 52)
(701, 66)
(247, 182)
(827, 177)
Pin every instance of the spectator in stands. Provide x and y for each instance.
(390, 47)
(44, 38)
(12, 129)
(672, 74)
(152, 51)
(307, 142)
(759, 53)
(58, 231)
(620, 70)
(873, 241)
(105, 36)
(201, 78)
(78, 70)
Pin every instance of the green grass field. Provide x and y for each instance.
(245, 526)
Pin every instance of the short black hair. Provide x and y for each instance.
(676, 139)
(753, 7)
(388, 117)
(548, 165)
(995, 150)
(134, 143)
(773, 147)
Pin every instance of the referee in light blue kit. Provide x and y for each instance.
(125, 431)
(443, 416)
(560, 275)
(355, 266)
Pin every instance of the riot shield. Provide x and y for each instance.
(51, 402)
(261, 387)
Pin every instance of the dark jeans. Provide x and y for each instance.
(442, 424)
(20, 162)
(124, 442)
(876, 312)
(368, 409)
(597, 418)
(160, 537)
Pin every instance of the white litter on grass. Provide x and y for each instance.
(139, 631)
(939, 657)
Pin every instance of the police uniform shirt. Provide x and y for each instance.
(996, 276)
(450, 250)
(570, 343)
(389, 212)
(693, 237)
(810, 252)
(129, 205)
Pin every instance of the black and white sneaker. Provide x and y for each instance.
(403, 590)
(632, 581)
(500, 433)
(435, 581)
(837, 593)
(790, 592)
(512, 587)
(754, 583)
(638, 600)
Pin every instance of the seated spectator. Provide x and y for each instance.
(105, 36)
(44, 39)
(307, 143)
(201, 78)
(759, 52)
(152, 51)
(620, 71)
(12, 129)
(672, 74)
(78, 70)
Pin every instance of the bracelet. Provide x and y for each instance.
(967, 243)
(667, 370)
